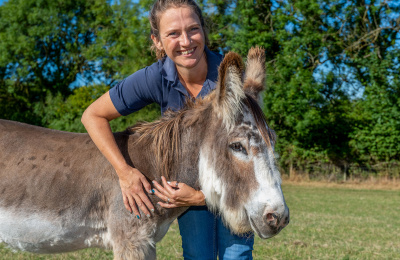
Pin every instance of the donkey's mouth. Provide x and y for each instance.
(258, 232)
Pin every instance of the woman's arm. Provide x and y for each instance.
(96, 121)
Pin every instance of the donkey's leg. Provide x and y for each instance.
(129, 251)
(133, 238)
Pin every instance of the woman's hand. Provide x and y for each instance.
(178, 194)
(132, 182)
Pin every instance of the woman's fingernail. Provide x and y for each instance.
(168, 182)
(152, 210)
(148, 215)
(138, 216)
(152, 181)
(153, 191)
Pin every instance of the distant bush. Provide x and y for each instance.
(64, 113)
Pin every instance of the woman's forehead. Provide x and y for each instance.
(177, 17)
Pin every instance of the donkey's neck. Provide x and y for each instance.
(142, 156)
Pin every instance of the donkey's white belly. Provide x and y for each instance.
(40, 233)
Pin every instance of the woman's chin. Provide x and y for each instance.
(188, 62)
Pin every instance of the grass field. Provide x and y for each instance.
(325, 223)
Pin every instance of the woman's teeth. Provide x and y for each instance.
(187, 52)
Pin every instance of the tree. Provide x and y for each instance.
(46, 45)
(58, 112)
(321, 55)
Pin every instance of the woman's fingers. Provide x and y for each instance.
(162, 189)
(173, 184)
(162, 193)
(168, 205)
(126, 203)
(146, 185)
(134, 202)
(145, 203)
(132, 205)
(167, 185)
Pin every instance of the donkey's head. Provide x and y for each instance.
(237, 164)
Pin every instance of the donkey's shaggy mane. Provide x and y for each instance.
(164, 135)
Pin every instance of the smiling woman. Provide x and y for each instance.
(182, 39)
(186, 70)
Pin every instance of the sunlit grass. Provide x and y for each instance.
(325, 223)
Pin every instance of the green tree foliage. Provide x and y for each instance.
(332, 73)
(46, 45)
(377, 136)
(58, 112)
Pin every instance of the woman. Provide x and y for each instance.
(186, 68)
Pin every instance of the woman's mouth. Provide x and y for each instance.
(187, 52)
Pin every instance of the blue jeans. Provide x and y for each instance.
(204, 236)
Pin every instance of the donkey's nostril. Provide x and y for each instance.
(270, 217)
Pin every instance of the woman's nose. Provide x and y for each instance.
(185, 39)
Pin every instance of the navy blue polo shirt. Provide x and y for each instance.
(159, 83)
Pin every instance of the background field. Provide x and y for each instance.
(326, 223)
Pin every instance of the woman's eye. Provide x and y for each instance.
(237, 147)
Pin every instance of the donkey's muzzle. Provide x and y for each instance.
(277, 221)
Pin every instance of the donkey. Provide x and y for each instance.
(58, 193)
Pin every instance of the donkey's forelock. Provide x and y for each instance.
(267, 134)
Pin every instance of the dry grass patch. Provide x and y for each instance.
(371, 183)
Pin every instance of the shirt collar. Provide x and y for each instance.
(168, 70)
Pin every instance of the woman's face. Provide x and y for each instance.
(181, 37)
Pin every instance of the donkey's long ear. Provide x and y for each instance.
(255, 72)
(229, 92)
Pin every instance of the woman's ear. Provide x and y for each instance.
(157, 42)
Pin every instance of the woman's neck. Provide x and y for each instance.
(193, 78)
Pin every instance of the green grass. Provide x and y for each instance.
(325, 223)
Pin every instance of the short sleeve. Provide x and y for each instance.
(140, 89)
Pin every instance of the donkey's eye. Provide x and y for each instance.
(238, 147)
